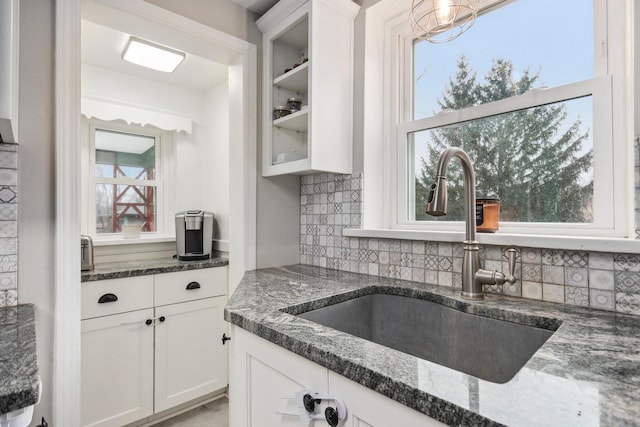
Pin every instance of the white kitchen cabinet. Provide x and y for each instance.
(9, 45)
(190, 358)
(140, 358)
(308, 54)
(117, 369)
(262, 373)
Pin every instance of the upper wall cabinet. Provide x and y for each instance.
(9, 30)
(307, 86)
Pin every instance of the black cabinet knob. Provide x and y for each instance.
(162, 319)
(225, 338)
(193, 285)
(148, 322)
(106, 298)
(309, 402)
(331, 415)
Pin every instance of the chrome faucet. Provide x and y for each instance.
(473, 277)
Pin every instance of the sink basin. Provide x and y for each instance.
(490, 349)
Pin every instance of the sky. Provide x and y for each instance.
(552, 37)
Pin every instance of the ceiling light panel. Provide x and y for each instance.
(151, 55)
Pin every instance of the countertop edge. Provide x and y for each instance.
(120, 270)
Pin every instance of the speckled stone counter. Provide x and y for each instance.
(19, 379)
(117, 270)
(586, 374)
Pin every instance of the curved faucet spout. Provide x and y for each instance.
(437, 202)
(473, 277)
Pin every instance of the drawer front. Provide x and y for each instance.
(105, 297)
(171, 288)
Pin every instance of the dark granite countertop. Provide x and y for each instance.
(19, 378)
(117, 270)
(587, 373)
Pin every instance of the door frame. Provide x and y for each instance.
(242, 162)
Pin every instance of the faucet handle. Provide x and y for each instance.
(511, 254)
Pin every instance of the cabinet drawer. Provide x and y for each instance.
(171, 288)
(117, 296)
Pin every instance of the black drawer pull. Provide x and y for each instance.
(162, 319)
(107, 298)
(148, 322)
(193, 285)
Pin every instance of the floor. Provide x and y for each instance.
(212, 414)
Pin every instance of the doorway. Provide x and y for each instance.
(170, 29)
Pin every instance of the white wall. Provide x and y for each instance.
(278, 198)
(201, 158)
(36, 209)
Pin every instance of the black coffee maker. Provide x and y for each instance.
(194, 234)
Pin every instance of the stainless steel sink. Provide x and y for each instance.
(493, 350)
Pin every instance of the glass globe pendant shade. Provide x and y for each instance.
(440, 21)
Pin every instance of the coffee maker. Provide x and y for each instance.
(194, 234)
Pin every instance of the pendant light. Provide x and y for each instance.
(440, 21)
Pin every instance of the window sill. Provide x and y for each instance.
(596, 244)
(143, 239)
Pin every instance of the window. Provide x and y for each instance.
(125, 183)
(527, 93)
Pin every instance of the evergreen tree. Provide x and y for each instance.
(523, 157)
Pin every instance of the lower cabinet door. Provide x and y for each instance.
(117, 369)
(265, 377)
(191, 360)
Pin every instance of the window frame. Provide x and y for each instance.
(162, 152)
(611, 166)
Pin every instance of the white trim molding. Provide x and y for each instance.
(66, 340)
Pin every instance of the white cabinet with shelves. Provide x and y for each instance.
(9, 34)
(151, 343)
(263, 373)
(308, 55)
